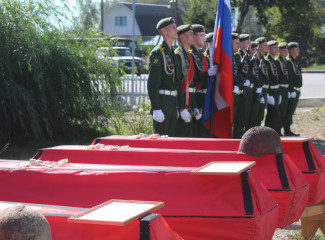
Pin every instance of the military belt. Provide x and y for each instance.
(284, 85)
(274, 87)
(202, 91)
(191, 90)
(297, 89)
(168, 92)
(266, 86)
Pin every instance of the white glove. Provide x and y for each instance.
(247, 83)
(259, 90)
(213, 70)
(270, 100)
(186, 116)
(197, 114)
(158, 116)
(262, 100)
(236, 90)
(280, 99)
(288, 94)
(293, 94)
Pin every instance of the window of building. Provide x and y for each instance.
(120, 21)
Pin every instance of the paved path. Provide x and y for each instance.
(313, 85)
(313, 90)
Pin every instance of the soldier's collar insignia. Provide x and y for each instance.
(289, 59)
(178, 52)
(190, 51)
(161, 48)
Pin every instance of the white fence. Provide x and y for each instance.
(135, 90)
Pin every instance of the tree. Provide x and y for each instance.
(52, 83)
(201, 12)
(89, 13)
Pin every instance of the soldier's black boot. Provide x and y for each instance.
(288, 132)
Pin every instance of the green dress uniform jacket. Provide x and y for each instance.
(273, 119)
(283, 72)
(245, 99)
(295, 84)
(201, 79)
(184, 129)
(163, 87)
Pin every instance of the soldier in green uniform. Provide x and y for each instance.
(264, 72)
(245, 97)
(163, 84)
(273, 119)
(237, 83)
(294, 86)
(201, 78)
(283, 73)
(185, 69)
(208, 46)
(257, 89)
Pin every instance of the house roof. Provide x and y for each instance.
(148, 15)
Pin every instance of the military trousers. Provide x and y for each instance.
(273, 118)
(199, 130)
(284, 105)
(254, 111)
(236, 98)
(169, 108)
(245, 101)
(184, 129)
(292, 105)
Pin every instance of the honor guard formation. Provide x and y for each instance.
(266, 77)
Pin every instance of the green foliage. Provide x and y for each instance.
(132, 122)
(51, 83)
(88, 14)
(201, 12)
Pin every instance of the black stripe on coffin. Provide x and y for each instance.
(38, 154)
(145, 226)
(309, 157)
(282, 171)
(97, 140)
(247, 193)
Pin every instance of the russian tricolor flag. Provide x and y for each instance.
(222, 93)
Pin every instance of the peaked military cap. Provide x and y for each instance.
(209, 37)
(184, 28)
(234, 36)
(260, 40)
(243, 37)
(283, 45)
(165, 22)
(198, 28)
(272, 43)
(254, 44)
(293, 45)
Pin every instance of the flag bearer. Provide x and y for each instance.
(201, 78)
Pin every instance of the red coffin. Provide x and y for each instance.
(196, 206)
(300, 149)
(277, 172)
(61, 229)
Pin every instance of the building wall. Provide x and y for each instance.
(109, 21)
